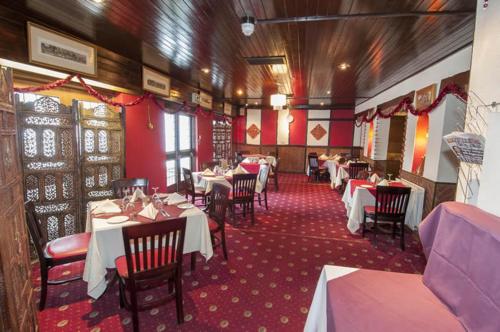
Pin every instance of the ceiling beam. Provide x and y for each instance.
(340, 17)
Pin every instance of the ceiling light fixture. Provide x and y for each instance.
(322, 103)
(247, 25)
(328, 92)
(239, 92)
(344, 66)
(278, 100)
(205, 70)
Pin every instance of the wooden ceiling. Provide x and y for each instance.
(180, 37)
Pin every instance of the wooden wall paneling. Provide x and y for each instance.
(268, 149)
(292, 158)
(17, 310)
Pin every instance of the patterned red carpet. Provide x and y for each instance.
(268, 282)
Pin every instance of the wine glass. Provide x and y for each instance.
(125, 199)
(156, 197)
(389, 175)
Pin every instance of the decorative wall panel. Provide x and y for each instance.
(102, 147)
(51, 172)
(222, 140)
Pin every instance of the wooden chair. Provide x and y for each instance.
(315, 171)
(141, 269)
(68, 249)
(243, 193)
(273, 174)
(189, 187)
(121, 185)
(355, 168)
(391, 205)
(217, 208)
(262, 178)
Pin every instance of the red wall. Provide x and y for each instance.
(204, 139)
(341, 131)
(144, 148)
(239, 129)
(298, 127)
(269, 125)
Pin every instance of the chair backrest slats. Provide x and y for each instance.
(188, 180)
(149, 245)
(219, 201)
(313, 161)
(392, 201)
(244, 187)
(35, 229)
(263, 176)
(122, 185)
(355, 168)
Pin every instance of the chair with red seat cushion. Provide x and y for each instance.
(273, 174)
(217, 208)
(391, 204)
(315, 170)
(190, 189)
(243, 194)
(161, 265)
(263, 178)
(68, 249)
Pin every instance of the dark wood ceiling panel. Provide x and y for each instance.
(183, 36)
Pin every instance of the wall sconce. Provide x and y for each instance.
(290, 118)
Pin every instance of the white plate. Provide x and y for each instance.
(117, 220)
(366, 186)
(185, 206)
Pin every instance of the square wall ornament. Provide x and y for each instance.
(318, 132)
(253, 131)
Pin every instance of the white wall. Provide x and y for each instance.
(452, 65)
(484, 87)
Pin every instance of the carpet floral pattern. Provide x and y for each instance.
(266, 285)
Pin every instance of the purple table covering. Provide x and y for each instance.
(368, 300)
(462, 245)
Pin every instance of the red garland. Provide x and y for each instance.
(48, 86)
(407, 103)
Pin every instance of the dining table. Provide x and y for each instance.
(106, 240)
(361, 193)
(206, 182)
(256, 158)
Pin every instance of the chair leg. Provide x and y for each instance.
(258, 196)
(276, 182)
(265, 199)
(402, 236)
(394, 230)
(223, 241)
(252, 212)
(375, 229)
(193, 261)
(44, 276)
(171, 285)
(121, 294)
(363, 225)
(135, 312)
(178, 299)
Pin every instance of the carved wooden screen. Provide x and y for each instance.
(50, 162)
(102, 149)
(221, 140)
(17, 310)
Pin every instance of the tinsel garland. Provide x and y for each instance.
(407, 104)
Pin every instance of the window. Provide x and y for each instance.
(179, 147)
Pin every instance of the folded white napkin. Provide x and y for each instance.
(229, 173)
(323, 157)
(174, 199)
(106, 206)
(137, 195)
(240, 170)
(384, 182)
(375, 178)
(208, 172)
(349, 162)
(149, 212)
(262, 161)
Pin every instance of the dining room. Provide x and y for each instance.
(279, 165)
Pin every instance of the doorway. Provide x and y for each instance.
(395, 149)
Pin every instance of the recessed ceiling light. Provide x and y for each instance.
(322, 103)
(239, 92)
(205, 70)
(98, 1)
(328, 92)
(256, 103)
(344, 66)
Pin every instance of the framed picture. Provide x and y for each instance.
(52, 49)
(155, 82)
(425, 96)
(228, 109)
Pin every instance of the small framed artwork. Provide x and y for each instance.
(155, 82)
(425, 96)
(52, 49)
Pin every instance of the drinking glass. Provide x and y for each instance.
(389, 175)
(125, 199)
(155, 195)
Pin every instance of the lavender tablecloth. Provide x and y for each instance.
(462, 245)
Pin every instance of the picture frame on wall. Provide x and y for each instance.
(55, 50)
(425, 96)
(155, 82)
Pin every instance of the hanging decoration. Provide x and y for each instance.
(96, 94)
(407, 104)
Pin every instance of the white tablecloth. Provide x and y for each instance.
(362, 197)
(271, 160)
(106, 244)
(342, 174)
(332, 169)
(316, 318)
(207, 182)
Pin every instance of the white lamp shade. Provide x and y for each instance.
(278, 100)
